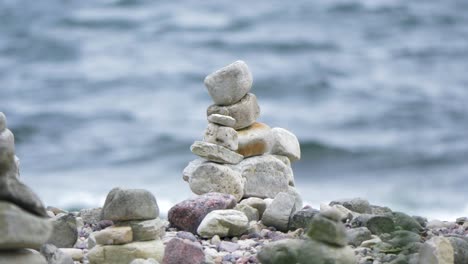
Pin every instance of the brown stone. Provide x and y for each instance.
(254, 140)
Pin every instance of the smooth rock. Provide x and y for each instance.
(186, 235)
(212, 177)
(222, 136)
(229, 84)
(180, 251)
(406, 222)
(346, 214)
(265, 176)
(114, 235)
(191, 167)
(358, 205)
(327, 231)
(254, 140)
(75, 253)
(21, 256)
(437, 250)
(279, 212)
(7, 152)
(124, 254)
(64, 232)
(223, 223)
(215, 153)
(377, 224)
(245, 112)
(331, 213)
(147, 229)
(54, 255)
(91, 216)
(256, 203)
(249, 211)
(20, 229)
(302, 218)
(187, 215)
(460, 249)
(358, 235)
(222, 120)
(285, 144)
(130, 204)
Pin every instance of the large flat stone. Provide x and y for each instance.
(21, 256)
(130, 204)
(254, 140)
(215, 153)
(223, 223)
(146, 230)
(245, 112)
(114, 235)
(221, 135)
(124, 254)
(20, 229)
(229, 84)
(222, 120)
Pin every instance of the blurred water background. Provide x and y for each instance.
(111, 94)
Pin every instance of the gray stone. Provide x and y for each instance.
(191, 167)
(130, 204)
(7, 151)
(229, 84)
(402, 239)
(245, 112)
(212, 177)
(265, 176)
(64, 232)
(144, 261)
(255, 140)
(302, 218)
(54, 255)
(216, 153)
(14, 191)
(223, 223)
(146, 230)
(421, 220)
(221, 135)
(461, 220)
(256, 203)
(20, 229)
(249, 211)
(380, 210)
(91, 216)
(460, 249)
(222, 120)
(21, 256)
(377, 224)
(91, 241)
(358, 235)
(228, 246)
(358, 205)
(2, 121)
(124, 254)
(327, 231)
(114, 235)
(406, 222)
(75, 253)
(285, 144)
(279, 212)
(332, 214)
(437, 250)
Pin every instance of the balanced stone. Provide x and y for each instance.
(223, 223)
(131, 204)
(222, 136)
(215, 153)
(229, 84)
(286, 144)
(146, 230)
(245, 112)
(64, 234)
(22, 256)
(124, 254)
(254, 140)
(14, 191)
(212, 177)
(328, 231)
(265, 176)
(222, 120)
(279, 212)
(114, 235)
(20, 229)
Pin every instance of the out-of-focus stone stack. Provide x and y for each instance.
(23, 223)
(137, 229)
(240, 156)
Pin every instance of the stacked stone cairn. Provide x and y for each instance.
(136, 231)
(24, 227)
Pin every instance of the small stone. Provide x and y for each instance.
(302, 218)
(222, 120)
(212, 177)
(245, 112)
(228, 246)
(64, 233)
(229, 84)
(256, 203)
(130, 204)
(254, 140)
(75, 253)
(286, 144)
(147, 229)
(216, 240)
(186, 235)
(437, 250)
(358, 235)
(328, 231)
(278, 213)
(124, 254)
(249, 211)
(358, 205)
(179, 251)
(187, 215)
(223, 223)
(114, 235)
(222, 136)
(54, 255)
(21, 256)
(91, 216)
(215, 153)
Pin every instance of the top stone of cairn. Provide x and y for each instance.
(229, 84)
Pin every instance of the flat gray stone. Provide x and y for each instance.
(224, 223)
(358, 205)
(64, 232)
(245, 112)
(21, 256)
(14, 191)
(114, 235)
(21, 229)
(222, 120)
(279, 211)
(327, 231)
(285, 144)
(212, 177)
(229, 84)
(215, 153)
(130, 204)
(146, 230)
(255, 140)
(222, 136)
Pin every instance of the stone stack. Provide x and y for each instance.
(136, 232)
(240, 156)
(23, 224)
